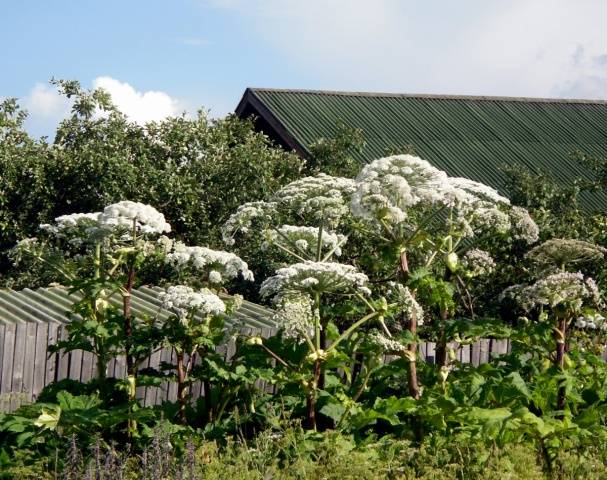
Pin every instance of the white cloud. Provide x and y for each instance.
(44, 102)
(140, 107)
(46, 107)
(518, 47)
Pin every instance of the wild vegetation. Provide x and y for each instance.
(359, 267)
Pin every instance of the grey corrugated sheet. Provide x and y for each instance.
(53, 305)
(465, 136)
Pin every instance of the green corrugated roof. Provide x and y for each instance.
(53, 305)
(465, 136)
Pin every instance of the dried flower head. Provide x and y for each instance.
(559, 252)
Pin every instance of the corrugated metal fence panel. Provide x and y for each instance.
(465, 136)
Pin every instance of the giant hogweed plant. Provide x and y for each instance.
(568, 302)
(415, 226)
(420, 213)
(97, 255)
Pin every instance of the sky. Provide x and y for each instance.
(159, 58)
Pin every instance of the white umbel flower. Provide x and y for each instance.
(591, 321)
(478, 262)
(306, 238)
(469, 192)
(294, 315)
(184, 301)
(523, 226)
(386, 344)
(562, 289)
(388, 187)
(219, 265)
(408, 307)
(147, 219)
(315, 277)
(322, 197)
(244, 216)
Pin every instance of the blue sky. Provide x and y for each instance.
(159, 58)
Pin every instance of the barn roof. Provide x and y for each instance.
(464, 135)
(53, 305)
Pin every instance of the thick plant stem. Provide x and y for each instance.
(182, 391)
(412, 347)
(441, 344)
(311, 397)
(128, 324)
(560, 334)
(131, 367)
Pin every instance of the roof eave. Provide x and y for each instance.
(250, 99)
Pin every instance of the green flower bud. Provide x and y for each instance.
(451, 261)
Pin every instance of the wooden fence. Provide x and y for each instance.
(26, 366)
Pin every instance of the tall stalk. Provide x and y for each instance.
(560, 335)
(131, 367)
(411, 353)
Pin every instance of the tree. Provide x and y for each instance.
(196, 170)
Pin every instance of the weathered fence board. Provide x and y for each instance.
(27, 365)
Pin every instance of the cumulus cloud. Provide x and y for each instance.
(519, 47)
(43, 101)
(140, 107)
(46, 107)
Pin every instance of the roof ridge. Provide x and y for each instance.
(432, 96)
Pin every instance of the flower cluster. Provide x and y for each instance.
(116, 218)
(295, 316)
(221, 266)
(77, 228)
(558, 252)
(315, 277)
(385, 344)
(464, 191)
(388, 187)
(570, 290)
(185, 301)
(322, 197)
(408, 307)
(478, 262)
(244, 216)
(306, 238)
(123, 214)
(487, 218)
(523, 226)
(592, 321)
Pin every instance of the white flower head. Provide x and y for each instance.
(386, 344)
(591, 321)
(185, 302)
(408, 307)
(123, 215)
(295, 316)
(77, 228)
(242, 220)
(315, 277)
(523, 226)
(570, 290)
(322, 197)
(469, 192)
(478, 262)
(388, 187)
(304, 238)
(217, 264)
